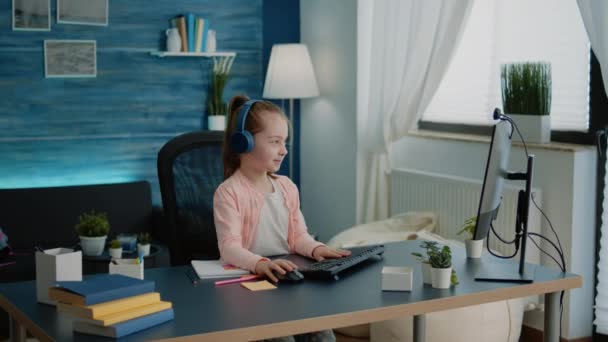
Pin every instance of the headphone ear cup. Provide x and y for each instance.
(242, 142)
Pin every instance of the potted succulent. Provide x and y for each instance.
(526, 98)
(473, 247)
(429, 247)
(93, 230)
(143, 243)
(441, 267)
(115, 249)
(217, 108)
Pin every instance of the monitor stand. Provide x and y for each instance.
(509, 272)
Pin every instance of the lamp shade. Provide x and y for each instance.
(290, 74)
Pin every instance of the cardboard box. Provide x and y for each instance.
(127, 267)
(57, 264)
(397, 278)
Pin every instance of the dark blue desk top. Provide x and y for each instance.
(295, 308)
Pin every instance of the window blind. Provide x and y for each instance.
(500, 32)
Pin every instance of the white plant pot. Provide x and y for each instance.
(216, 122)
(116, 253)
(474, 248)
(441, 277)
(143, 249)
(93, 246)
(534, 128)
(426, 272)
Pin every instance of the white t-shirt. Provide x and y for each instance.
(271, 236)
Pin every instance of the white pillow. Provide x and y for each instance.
(396, 228)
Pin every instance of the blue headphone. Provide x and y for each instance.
(242, 139)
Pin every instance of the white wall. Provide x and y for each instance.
(567, 181)
(328, 131)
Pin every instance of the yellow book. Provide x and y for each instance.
(200, 22)
(126, 315)
(102, 309)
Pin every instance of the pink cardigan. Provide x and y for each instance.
(236, 211)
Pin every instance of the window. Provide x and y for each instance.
(499, 32)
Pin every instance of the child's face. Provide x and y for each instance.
(269, 144)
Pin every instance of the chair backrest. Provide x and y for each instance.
(189, 170)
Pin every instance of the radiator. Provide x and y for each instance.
(454, 199)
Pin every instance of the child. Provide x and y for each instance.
(256, 212)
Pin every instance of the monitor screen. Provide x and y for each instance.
(494, 178)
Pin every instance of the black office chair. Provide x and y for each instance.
(189, 171)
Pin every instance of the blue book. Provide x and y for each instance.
(205, 32)
(190, 22)
(124, 328)
(99, 289)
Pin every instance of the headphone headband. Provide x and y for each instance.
(242, 139)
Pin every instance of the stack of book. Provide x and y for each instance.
(193, 32)
(111, 305)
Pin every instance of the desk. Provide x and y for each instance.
(232, 313)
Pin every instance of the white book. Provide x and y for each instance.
(216, 269)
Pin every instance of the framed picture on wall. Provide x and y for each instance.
(70, 58)
(32, 15)
(83, 12)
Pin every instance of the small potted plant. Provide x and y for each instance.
(429, 247)
(441, 267)
(473, 247)
(143, 243)
(93, 230)
(217, 108)
(526, 98)
(115, 249)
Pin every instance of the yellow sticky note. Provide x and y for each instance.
(258, 285)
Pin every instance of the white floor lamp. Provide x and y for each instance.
(290, 76)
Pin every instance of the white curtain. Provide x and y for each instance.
(412, 43)
(595, 17)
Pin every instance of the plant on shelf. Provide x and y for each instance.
(526, 88)
(526, 98)
(115, 249)
(93, 230)
(143, 243)
(217, 108)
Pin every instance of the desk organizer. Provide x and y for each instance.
(127, 267)
(397, 278)
(57, 264)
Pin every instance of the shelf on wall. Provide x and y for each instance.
(192, 54)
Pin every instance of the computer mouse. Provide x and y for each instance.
(291, 276)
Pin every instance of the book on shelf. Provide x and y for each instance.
(200, 22)
(181, 27)
(107, 308)
(216, 269)
(124, 328)
(99, 289)
(126, 315)
(191, 34)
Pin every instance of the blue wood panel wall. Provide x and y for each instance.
(57, 132)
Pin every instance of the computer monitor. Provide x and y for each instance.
(496, 173)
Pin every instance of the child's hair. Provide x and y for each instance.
(253, 124)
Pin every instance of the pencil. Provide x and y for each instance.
(236, 280)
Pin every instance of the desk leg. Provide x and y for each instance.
(17, 331)
(419, 328)
(551, 333)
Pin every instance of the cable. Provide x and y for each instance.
(500, 256)
(562, 265)
(560, 250)
(500, 238)
(545, 252)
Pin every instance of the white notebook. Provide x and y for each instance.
(216, 269)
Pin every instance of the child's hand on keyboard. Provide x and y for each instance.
(322, 252)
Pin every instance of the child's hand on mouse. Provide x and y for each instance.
(265, 267)
(322, 252)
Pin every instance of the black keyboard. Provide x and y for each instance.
(331, 268)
